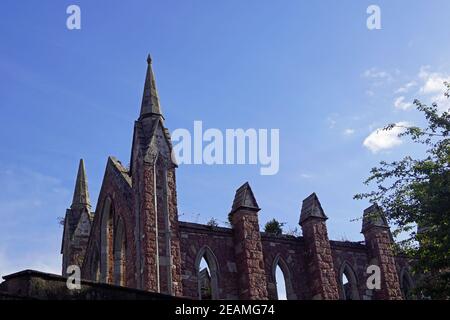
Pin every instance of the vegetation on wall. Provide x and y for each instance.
(274, 227)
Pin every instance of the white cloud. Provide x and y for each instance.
(429, 87)
(442, 102)
(305, 176)
(433, 82)
(433, 87)
(377, 78)
(331, 121)
(399, 103)
(381, 139)
(406, 87)
(374, 73)
(349, 132)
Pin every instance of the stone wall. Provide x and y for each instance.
(353, 255)
(195, 238)
(288, 252)
(116, 190)
(30, 284)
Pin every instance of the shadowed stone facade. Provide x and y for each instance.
(134, 239)
(36, 285)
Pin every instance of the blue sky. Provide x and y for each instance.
(310, 69)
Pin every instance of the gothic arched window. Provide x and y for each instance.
(106, 241)
(207, 270)
(348, 282)
(119, 254)
(95, 264)
(282, 280)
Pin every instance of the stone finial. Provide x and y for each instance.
(81, 193)
(374, 217)
(311, 208)
(244, 198)
(150, 99)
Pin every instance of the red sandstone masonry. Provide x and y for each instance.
(290, 251)
(380, 249)
(119, 191)
(379, 245)
(353, 254)
(177, 289)
(162, 222)
(249, 255)
(323, 283)
(220, 241)
(148, 241)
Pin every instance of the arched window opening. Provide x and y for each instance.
(107, 236)
(349, 284)
(282, 280)
(280, 284)
(207, 271)
(97, 272)
(204, 279)
(347, 287)
(95, 266)
(119, 254)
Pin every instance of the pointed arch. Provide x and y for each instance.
(278, 261)
(349, 290)
(406, 284)
(95, 264)
(119, 253)
(106, 241)
(206, 253)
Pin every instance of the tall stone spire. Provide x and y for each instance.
(77, 223)
(81, 193)
(150, 100)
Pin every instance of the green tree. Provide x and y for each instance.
(274, 227)
(415, 195)
(212, 223)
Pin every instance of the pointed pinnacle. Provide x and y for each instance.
(81, 193)
(311, 208)
(244, 198)
(150, 101)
